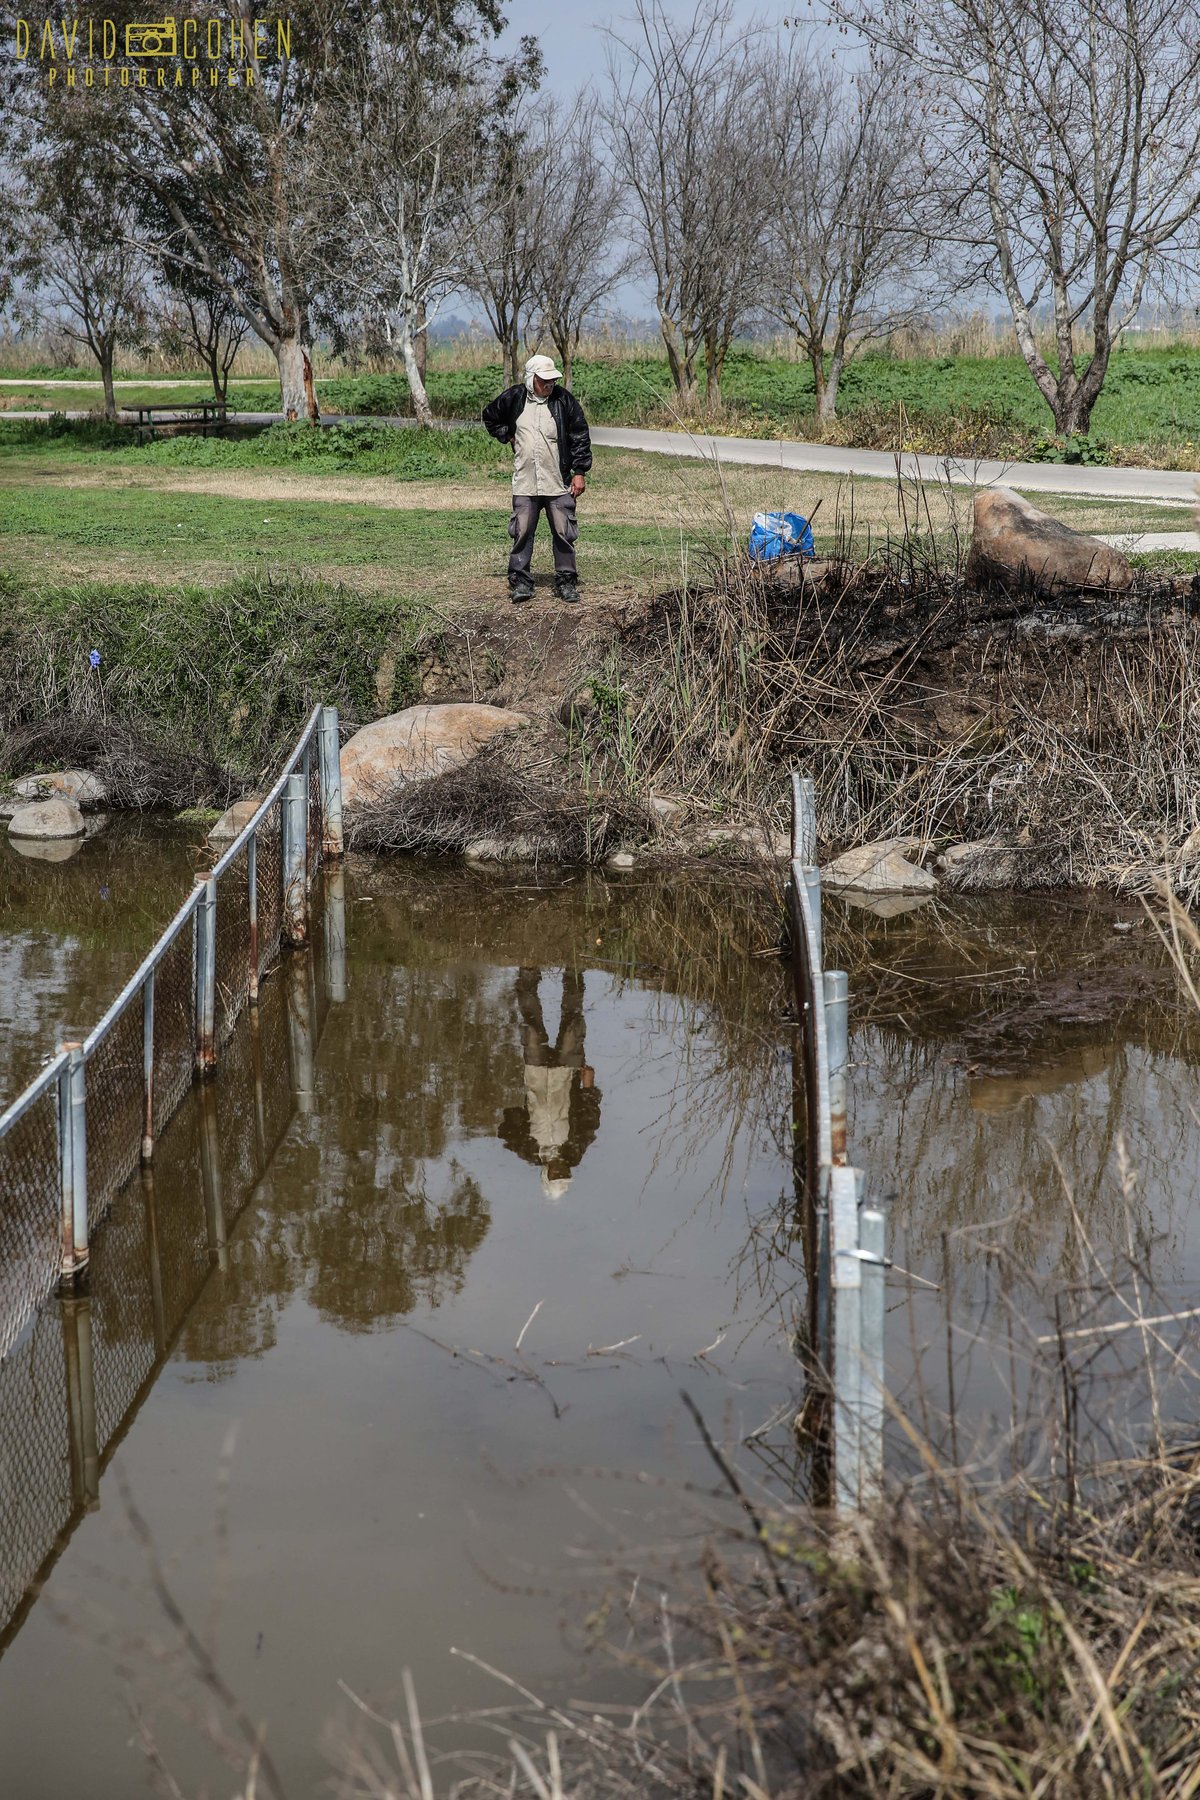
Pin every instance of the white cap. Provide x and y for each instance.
(552, 1188)
(544, 367)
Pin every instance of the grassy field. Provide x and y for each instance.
(417, 516)
(1149, 410)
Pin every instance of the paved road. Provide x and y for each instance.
(1173, 487)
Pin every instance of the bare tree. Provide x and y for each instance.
(577, 258)
(409, 103)
(77, 263)
(1067, 132)
(503, 224)
(685, 128)
(203, 320)
(846, 257)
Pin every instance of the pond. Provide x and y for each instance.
(388, 1352)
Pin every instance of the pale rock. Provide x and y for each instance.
(51, 850)
(665, 808)
(978, 865)
(417, 743)
(751, 840)
(1014, 544)
(878, 869)
(47, 819)
(235, 820)
(620, 859)
(79, 785)
(514, 849)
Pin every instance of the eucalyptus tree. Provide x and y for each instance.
(1066, 137)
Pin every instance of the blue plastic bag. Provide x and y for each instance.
(776, 534)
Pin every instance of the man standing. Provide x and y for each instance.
(552, 452)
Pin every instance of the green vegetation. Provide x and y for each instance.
(986, 404)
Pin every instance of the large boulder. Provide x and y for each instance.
(79, 785)
(880, 868)
(421, 741)
(1015, 545)
(47, 819)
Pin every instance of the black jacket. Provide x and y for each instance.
(574, 439)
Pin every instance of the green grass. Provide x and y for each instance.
(1151, 396)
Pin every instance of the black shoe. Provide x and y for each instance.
(567, 591)
(521, 588)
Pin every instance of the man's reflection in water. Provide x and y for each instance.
(561, 1113)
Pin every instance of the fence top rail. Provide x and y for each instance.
(247, 832)
(38, 1086)
(29, 1096)
(112, 1013)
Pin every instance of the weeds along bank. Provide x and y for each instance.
(1057, 737)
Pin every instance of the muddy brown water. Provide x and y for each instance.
(549, 1109)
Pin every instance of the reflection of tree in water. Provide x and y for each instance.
(376, 1257)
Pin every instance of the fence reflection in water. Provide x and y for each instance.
(73, 1384)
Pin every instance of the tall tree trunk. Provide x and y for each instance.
(815, 352)
(106, 375)
(421, 345)
(298, 398)
(827, 403)
(410, 351)
(714, 362)
(681, 360)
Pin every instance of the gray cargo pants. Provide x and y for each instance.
(564, 529)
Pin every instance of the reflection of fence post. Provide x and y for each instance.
(335, 934)
(812, 882)
(157, 1308)
(331, 781)
(295, 857)
(260, 1111)
(300, 1032)
(148, 1067)
(804, 819)
(81, 1402)
(837, 1039)
(872, 1231)
(252, 905)
(206, 976)
(210, 1178)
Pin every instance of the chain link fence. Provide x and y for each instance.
(71, 1142)
(73, 1381)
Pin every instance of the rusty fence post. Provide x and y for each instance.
(148, 1067)
(295, 855)
(331, 782)
(206, 976)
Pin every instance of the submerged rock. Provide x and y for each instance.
(47, 819)
(51, 850)
(1016, 545)
(235, 820)
(79, 785)
(879, 868)
(416, 743)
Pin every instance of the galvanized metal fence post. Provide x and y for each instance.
(845, 1195)
(206, 976)
(837, 1039)
(148, 1067)
(812, 885)
(252, 910)
(295, 856)
(872, 1232)
(75, 1194)
(331, 782)
(804, 819)
(66, 1171)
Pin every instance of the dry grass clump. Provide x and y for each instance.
(141, 770)
(506, 813)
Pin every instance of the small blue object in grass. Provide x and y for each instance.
(776, 534)
(94, 658)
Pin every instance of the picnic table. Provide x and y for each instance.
(203, 416)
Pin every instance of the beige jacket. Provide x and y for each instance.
(536, 467)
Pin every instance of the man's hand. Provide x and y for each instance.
(577, 486)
